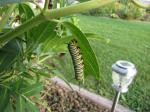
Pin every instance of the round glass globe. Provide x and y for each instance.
(123, 73)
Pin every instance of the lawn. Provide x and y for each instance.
(129, 40)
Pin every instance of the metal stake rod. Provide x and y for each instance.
(115, 101)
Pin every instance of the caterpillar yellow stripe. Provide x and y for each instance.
(77, 60)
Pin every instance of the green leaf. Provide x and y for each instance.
(31, 106)
(45, 31)
(42, 35)
(50, 44)
(4, 98)
(9, 108)
(64, 40)
(90, 61)
(32, 89)
(91, 36)
(41, 72)
(20, 104)
(25, 12)
(6, 16)
(5, 2)
(8, 54)
(27, 75)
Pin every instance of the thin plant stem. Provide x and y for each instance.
(46, 5)
(52, 14)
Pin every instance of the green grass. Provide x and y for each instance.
(130, 41)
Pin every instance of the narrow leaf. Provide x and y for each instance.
(4, 98)
(27, 75)
(8, 54)
(90, 61)
(20, 104)
(32, 89)
(31, 106)
(41, 73)
(43, 35)
(91, 36)
(9, 108)
(26, 11)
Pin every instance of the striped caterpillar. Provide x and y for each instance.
(77, 60)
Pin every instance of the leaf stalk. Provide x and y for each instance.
(52, 14)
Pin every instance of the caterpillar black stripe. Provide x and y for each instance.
(77, 60)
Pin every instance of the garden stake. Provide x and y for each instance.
(116, 99)
(123, 73)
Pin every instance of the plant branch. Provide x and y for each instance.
(21, 29)
(52, 14)
(46, 5)
(140, 4)
(56, 13)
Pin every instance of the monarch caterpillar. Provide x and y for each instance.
(77, 60)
